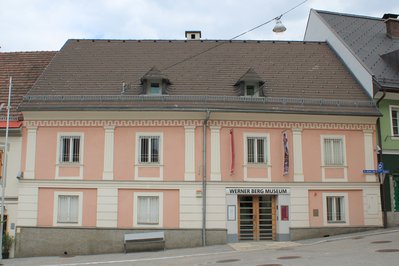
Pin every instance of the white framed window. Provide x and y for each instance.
(149, 149)
(251, 89)
(335, 207)
(257, 160)
(394, 112)
(68, 207)
(70, 148)
(256, 149)
(333, 150)
(148, 209)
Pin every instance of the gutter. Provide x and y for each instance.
(382, 190)
(208, 113)
(201, 109)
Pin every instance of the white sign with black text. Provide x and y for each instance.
(258, 191)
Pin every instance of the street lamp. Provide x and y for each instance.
(279, 27)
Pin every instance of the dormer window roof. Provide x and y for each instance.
(154, 82)
(250, 84)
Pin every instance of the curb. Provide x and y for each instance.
(337, 238)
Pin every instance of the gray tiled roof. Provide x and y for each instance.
(301, 77)
(366, 37)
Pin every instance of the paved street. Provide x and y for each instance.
(379, 247)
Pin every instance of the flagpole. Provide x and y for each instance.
(3, 179)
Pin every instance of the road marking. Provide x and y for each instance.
(137, 260)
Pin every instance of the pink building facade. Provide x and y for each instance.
(91, 176)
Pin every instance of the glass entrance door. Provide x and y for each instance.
(257, 217)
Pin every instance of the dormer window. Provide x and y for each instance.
(251, 90)
(154, 89)
(154, 82)
(250, 84)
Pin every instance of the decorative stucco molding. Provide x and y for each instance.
(218, 123)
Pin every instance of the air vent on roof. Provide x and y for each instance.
(193, 35)
(392, 25)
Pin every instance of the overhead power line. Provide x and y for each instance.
(235, 37)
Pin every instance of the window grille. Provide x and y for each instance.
(70, 149)
(395, 120)
(335, 209)
(149, 149)
(256, 150)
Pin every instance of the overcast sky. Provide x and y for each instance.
(39, 25)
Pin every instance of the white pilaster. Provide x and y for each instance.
(107, 207)
(30, 153)
(27, 206)
(215, 153)
(108, 173)
(189, 163)
(369, 154)
(297, 154)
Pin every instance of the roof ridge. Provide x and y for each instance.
(347, 14)
(191, 41)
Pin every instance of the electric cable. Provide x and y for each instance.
(235, 37)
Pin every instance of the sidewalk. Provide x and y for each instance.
(146, 258)
(267, 245)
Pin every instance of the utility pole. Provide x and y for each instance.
(4, 174)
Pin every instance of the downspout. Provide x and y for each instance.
(379, 139)
(208, 113)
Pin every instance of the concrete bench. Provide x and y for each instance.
(148, 241)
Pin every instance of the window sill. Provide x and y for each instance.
(69, 164)
(149, 164)
(334, 166)
(259, 165)
(67, 224)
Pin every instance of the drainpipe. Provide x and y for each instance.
(382, 190)
(208, 113)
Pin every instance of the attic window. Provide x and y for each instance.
(154, 82)
(251, 90)
(250, 84)
(154, 89)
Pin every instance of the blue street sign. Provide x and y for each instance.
(379, 171)
(370, 171)
(380, 166)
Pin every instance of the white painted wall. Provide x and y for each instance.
(13, 164)
(317, 30)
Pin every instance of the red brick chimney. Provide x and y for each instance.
(392, 25)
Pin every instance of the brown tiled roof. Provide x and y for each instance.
(301, 77)
(25, 68)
